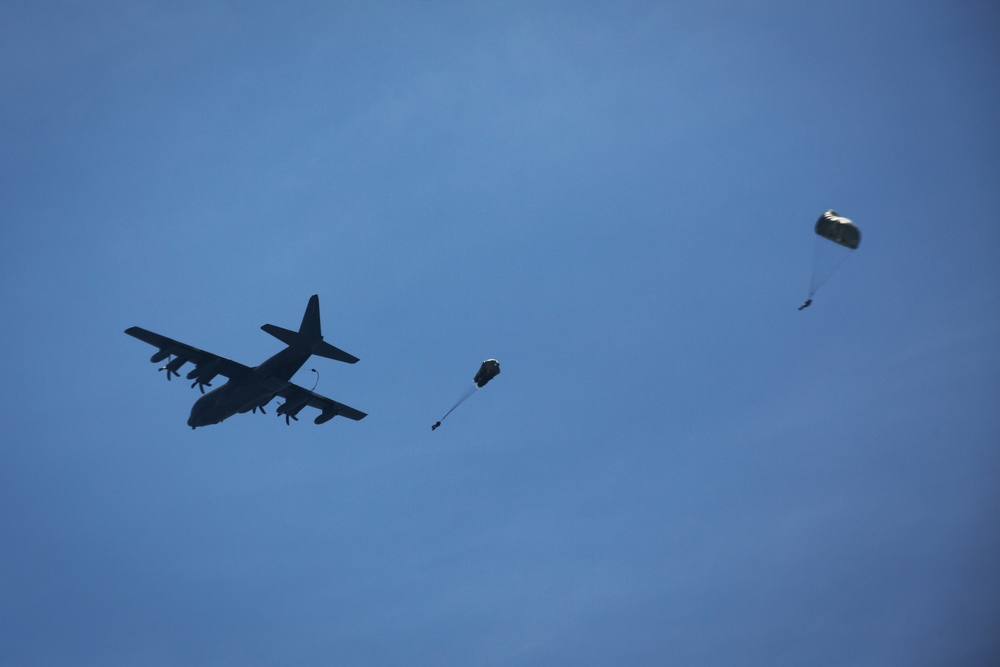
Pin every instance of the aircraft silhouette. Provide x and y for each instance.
(248, 389)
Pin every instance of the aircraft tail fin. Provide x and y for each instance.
(310, 320)
(309, 335)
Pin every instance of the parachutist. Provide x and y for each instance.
(435, 425)
(806, 304)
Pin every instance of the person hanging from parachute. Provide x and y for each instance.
(487, 371)
(836, 238)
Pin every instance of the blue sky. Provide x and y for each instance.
(616, 201)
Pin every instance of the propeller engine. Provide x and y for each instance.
(203, 375)
(291, 408)
(172, 367)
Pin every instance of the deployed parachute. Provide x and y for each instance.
(836, 238)
(838, 229)
(487, 371)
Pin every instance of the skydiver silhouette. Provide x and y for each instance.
(806, 304)
(435, 425)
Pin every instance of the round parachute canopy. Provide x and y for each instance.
(838, 229)
(489, 370)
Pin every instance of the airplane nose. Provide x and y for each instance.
(196, 419)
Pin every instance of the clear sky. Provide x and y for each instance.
(614, 199)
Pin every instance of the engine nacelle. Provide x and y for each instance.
(160, 356)
(202, 375)
(292, 408)
(203, 378)
(176, 363)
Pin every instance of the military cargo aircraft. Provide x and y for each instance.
(252, 388)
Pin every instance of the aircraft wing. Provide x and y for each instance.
(297, 397)
(207, 365)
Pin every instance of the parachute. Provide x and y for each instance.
(836, 238)
(838, 229)
(487, 371)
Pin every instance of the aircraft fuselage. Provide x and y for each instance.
(245, 394)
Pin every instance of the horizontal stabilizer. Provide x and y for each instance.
(286, 336)
(324, 349)
(320, 349)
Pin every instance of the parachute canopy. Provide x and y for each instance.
(489, 370)
(838, 229)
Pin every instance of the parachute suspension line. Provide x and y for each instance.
(827, 258)
(465, 395)
(813, 277)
